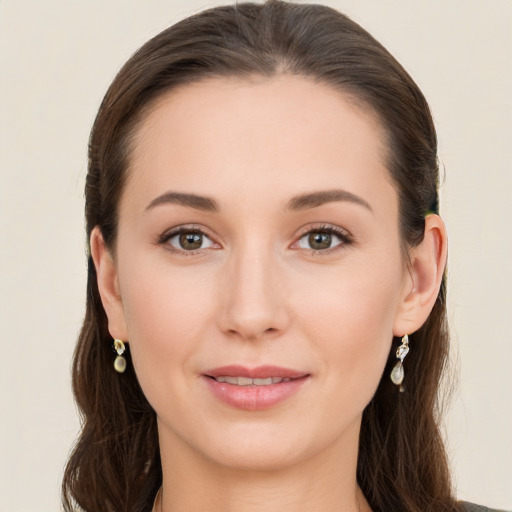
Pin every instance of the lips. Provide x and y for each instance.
(260, 372)
(254, 389)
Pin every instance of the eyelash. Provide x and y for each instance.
(344, 237)
(168, 235)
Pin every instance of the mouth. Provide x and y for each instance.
(254, 389)
(247, 381)
(244, 374)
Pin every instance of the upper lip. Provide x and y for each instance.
(258, 372)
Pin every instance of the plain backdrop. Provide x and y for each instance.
(57, 58)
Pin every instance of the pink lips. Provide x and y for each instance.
(254, 397)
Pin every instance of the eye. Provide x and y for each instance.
(188, 240)
(323, 239)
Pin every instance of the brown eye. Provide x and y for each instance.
(319, 241)
(189, 241)
(323, 239)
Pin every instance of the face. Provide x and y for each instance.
(259, 268)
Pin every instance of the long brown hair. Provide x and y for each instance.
(115, 465)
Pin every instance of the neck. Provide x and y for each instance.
(324, 482)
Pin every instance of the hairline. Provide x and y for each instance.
(354, 96)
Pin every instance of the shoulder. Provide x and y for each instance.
(471, 507)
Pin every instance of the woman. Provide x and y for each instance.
(266, 323)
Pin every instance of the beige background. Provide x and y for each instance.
(57, 58)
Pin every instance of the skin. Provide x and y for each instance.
(255, 292)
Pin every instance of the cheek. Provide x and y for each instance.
(349, 315)
(161, 299)
(167, 311)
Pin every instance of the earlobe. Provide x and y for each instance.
(426, 269)
(108, 285)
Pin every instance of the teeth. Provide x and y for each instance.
(246, 381)
(263, 382)
(229, 380)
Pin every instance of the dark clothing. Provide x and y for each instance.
(471, 507)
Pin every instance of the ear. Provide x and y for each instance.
(426, 269)
(108, 286)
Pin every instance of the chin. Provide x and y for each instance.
(266, 448)
(257, 458)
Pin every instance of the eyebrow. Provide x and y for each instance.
(188, 200)
(315, 199)
(300, 202)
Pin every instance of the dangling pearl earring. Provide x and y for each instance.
(397, 373)
(120, 361)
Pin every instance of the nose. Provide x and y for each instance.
(253, 299)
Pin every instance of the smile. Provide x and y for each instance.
(247, 381)
(254, 389)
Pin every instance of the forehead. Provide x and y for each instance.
(289, 132)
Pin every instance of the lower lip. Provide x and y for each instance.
(254, 398)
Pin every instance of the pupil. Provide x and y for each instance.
(320, 240)
(191, 241)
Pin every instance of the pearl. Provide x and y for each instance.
(120, 364)
(397, 374)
